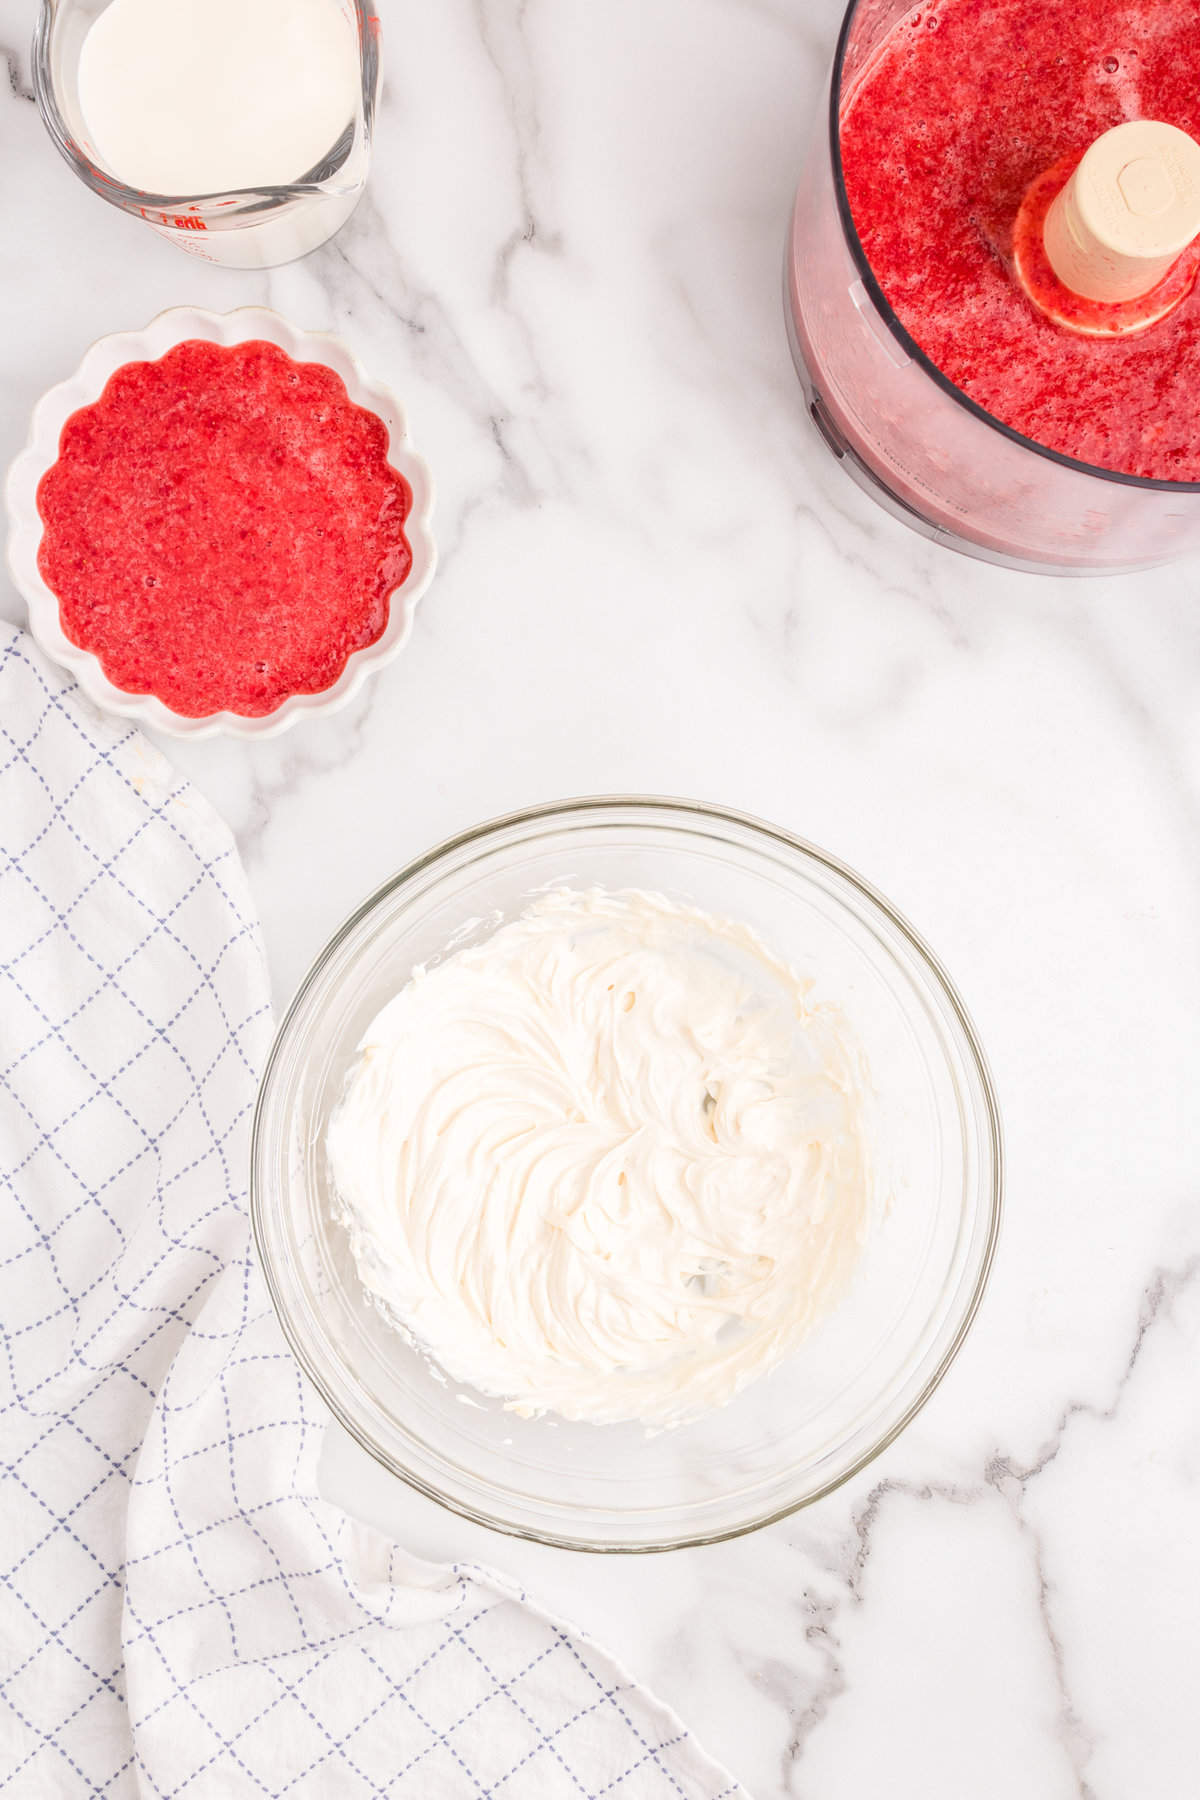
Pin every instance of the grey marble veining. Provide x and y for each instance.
(654, 578)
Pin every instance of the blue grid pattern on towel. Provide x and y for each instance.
(180, 1615)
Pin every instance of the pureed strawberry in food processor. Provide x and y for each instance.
(991, 289)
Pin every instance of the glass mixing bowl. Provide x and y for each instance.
(855, 1381)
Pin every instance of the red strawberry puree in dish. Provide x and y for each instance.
(222, 528)
(965, 104)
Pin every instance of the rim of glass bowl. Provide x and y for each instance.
(681, 813)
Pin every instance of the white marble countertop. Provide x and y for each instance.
(654, 578)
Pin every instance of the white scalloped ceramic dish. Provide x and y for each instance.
(84, 387)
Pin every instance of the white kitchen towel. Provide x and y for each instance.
(180, 1614)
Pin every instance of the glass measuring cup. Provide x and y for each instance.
(251, 228)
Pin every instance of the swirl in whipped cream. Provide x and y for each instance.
(610, 1163)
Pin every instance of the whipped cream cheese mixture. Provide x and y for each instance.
(610, 1163)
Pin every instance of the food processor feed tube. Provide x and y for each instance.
(991, 275)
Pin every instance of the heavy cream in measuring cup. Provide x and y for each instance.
(190, 97)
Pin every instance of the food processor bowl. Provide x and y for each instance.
(909, 435)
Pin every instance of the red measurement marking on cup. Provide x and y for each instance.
(176, 221)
